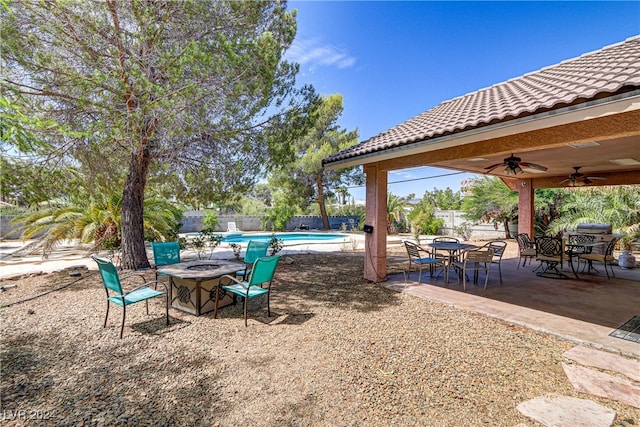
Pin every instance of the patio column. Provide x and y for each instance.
(375, 243)
(526, 214)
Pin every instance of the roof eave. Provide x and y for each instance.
(619, 103)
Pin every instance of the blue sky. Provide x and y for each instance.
(392, 60)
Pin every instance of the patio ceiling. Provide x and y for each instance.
(582, 112)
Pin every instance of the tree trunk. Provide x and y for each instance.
(507, 232)
(134, 253)
(323, 209)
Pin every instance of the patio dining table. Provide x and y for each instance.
(453, 251)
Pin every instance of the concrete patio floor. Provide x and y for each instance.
(584, 310)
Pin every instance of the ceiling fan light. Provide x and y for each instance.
(517, 170)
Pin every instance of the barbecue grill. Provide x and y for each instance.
(600, 232)
(597, 229)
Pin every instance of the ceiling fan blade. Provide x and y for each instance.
(533, 166)
(564, 180)
(492, 167)
(601, 178)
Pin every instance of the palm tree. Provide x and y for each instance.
(618, 206)
(396, 211)
(490, 200)
(97, 221)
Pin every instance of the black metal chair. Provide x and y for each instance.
(606, 258)
(574, 250)
(549, 252)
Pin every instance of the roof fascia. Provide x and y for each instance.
(620, 103)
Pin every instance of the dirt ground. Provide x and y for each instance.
(336, 351)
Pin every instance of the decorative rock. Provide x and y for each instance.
(604, 385)
(604, 360)
(19, 276)
(565, 411)
(76, 267)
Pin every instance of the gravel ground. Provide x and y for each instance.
(337, 351)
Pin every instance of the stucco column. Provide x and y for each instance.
(375, 243)
(526, 214)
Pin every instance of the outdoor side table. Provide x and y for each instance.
(193, 284)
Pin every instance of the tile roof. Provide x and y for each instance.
(610, 70)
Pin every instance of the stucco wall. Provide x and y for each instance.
(453, 219)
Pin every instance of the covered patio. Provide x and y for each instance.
(583, 112)
(585, 310)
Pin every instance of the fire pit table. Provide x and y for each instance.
(193, 284)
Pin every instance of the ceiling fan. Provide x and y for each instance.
(513, 166)
(578, 179)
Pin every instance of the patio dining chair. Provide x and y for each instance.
(421, 258)
(232, 227)
(115, 294)
(165, 253)
(262, 273)
(606, 258)
(573, 251)
(475, 261)
(549, 251)
(526, 249)
(498, 247)
(255, 249)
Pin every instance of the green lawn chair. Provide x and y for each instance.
(255, 250)
(165, 253)
(262, 272)
(115, 294)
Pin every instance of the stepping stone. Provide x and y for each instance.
(565, 411)
(604, 360)
(597, 383)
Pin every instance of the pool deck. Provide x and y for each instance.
(13, 260)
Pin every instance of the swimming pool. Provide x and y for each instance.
(286, 237)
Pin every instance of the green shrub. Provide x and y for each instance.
(210, 220)
(277, 217)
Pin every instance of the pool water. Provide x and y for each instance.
(287, 237)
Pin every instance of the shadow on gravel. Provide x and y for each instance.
(326, 278)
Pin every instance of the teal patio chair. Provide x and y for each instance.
(262, 273)
(115, 294)
(255, 250)
(165, 253)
